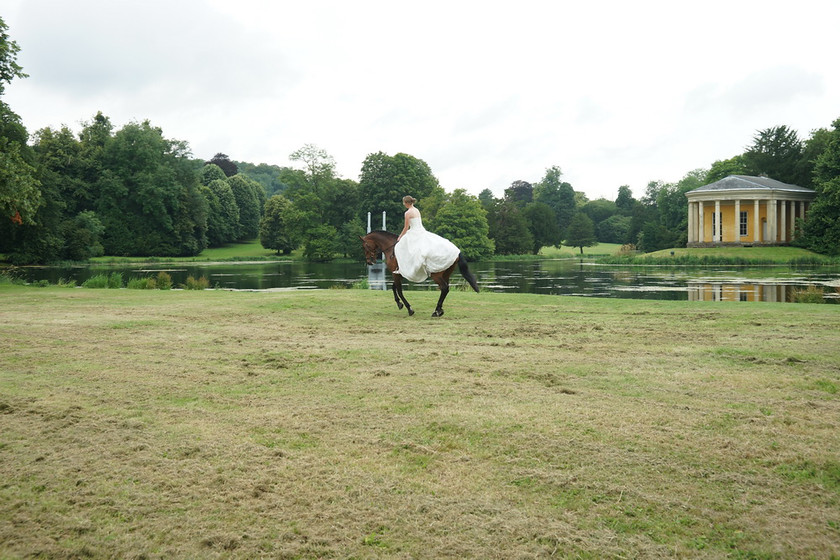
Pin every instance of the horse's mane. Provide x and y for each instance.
(385, 233)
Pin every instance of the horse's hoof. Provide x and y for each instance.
(410, 312)
(399, 305)
(438, 313)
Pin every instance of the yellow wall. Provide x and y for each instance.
(731, 224)
(731, 227)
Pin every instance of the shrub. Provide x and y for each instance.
(812, 294)
(10, 276)
(146, 283)
(201, 283)
(164, 281)
(98, 281)
(115, 280)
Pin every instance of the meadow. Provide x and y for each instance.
(327, 424)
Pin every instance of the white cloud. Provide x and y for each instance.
(487, 93)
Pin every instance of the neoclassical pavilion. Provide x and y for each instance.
(743, 210)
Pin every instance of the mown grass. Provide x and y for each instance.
(327, 424)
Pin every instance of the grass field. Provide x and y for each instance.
(327, 424)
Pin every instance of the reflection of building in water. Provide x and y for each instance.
(729, 291)
(376, 276)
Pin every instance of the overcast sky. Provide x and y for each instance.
(486, 92)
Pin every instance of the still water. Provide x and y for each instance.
(558, 277)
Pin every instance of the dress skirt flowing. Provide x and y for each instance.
(421, 253)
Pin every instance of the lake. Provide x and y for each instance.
(558, 277)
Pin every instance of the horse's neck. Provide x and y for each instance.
(386, 241)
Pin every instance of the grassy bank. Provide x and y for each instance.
(326, 424)
(599, 250)
(244, 251)
(706, 256)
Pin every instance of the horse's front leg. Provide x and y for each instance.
(398, 291)
(396, 295)
(444, 291)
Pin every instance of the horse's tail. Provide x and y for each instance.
(465, 271)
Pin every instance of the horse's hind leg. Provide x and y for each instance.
(443, 284)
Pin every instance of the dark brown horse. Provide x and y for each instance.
(383, 242)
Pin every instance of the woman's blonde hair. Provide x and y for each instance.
(407, 199)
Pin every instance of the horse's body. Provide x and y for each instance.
(383, 242)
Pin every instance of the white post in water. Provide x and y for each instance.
(376, 272)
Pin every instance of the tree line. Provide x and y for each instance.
(134, 192)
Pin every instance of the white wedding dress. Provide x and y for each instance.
(421, 253)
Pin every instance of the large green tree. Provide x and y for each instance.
(9, 68)
(463, 221)
(223, 213)
(276, 226)
(318, 164)
(509, 229)
(19, 189)
(20, 194)
(558, 195)
(385, 180)
(581, 232)
(599, 210)
(721, 169)
(777, 153)
(821, 231)
(624, 201)
(271, 177)
(542, 223)
(148, 195)
(520, 193)
(223, 162)
(614, 229)
(247, 195)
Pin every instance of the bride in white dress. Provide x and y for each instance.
(419, 252)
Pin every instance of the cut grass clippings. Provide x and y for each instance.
(327, 424)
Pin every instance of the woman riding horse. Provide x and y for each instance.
(415, 255)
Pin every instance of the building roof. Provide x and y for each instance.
(745, 182)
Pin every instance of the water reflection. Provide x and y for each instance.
(556, 277)
(735, 291)
(376, 277)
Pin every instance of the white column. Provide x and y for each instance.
(783, 233)
(701, 234)
(772, 219)
(756, 222)
(689, 222)
(718, 225)
(737, 221)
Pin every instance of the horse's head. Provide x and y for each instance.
(371, 249)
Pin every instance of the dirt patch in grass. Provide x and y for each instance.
(327, 424)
